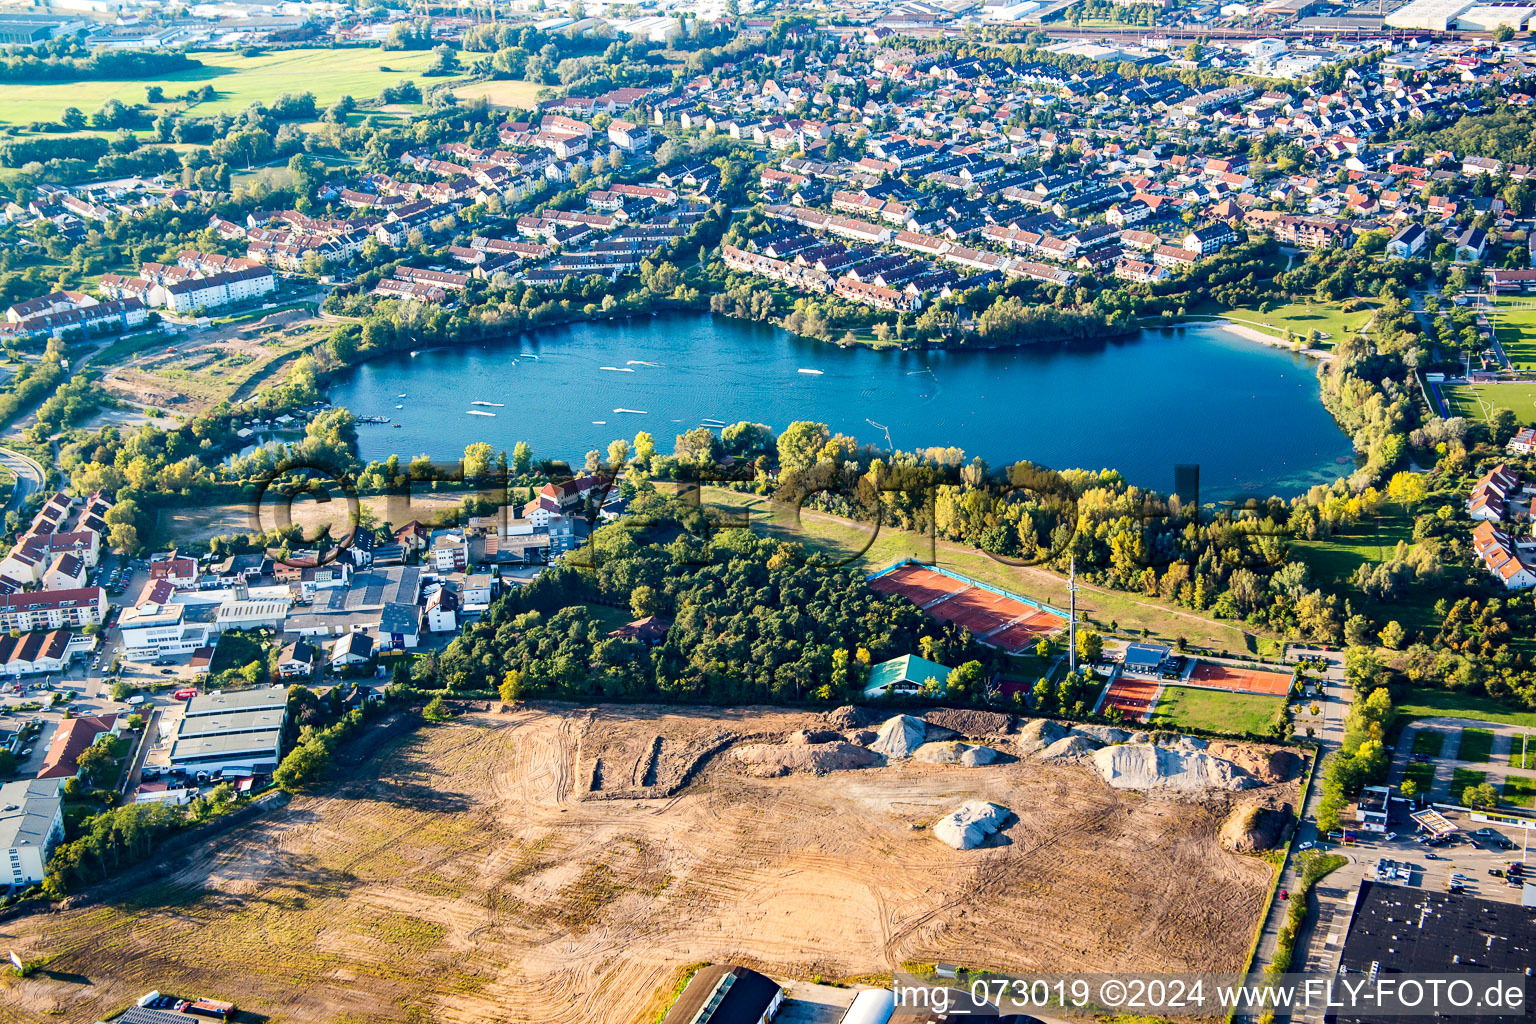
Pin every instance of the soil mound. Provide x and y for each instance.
(900, 736)
(772, 760)
(1266, 764)
(849, 717)
(1252, 827)
(1102, 734)
(969, 722)
(968, 826)
(1168, 769)
(954, 752)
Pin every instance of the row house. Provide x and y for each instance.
(219, 290)
(870, 294)
(1502, 558)
(1489, 500)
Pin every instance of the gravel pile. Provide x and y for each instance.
(1175, 768)
(900, 736)
(969, 825)
(849, 717)
(955, 752)
(1039, 732)
(969, 722)
(1068, 748)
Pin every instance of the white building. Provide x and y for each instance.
(231, 731)
(31, 824)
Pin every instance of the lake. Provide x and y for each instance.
(1249, 415)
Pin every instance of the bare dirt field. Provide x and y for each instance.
(500, 867)
(200, 523)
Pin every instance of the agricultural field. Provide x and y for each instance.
(1301, 318)
(1218, 711)
(506, 93)
(1478, 401)
(505, 864)
(238, 80)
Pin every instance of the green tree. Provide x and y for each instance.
(436, 710)
(1481, 795)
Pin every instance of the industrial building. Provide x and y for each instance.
(1466, 15)
(720, 994)
(1399, 930)
(238, 731)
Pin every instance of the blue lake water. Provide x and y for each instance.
(1247, 414)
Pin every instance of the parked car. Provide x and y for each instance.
(1305, 846)
(1432, 856)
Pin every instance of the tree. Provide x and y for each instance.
(121, 690)
(511, 688)
(1407, 489)
(1409, 789)
(522, 457)
(436, 710)
(97, 764)
(1481, 795)
(1357, 631)
(1090, 646)
(1503, 34)
(1393, 635)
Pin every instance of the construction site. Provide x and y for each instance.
(557, 864)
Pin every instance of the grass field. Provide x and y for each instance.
(1519, 397)
(1420, 702)
(238, 80)
(1476, 744)
(1514, 321)
(1520, 792)
(843, 542)
(1525, 759)
(1428, 744)
(1298, 318)
(503, 93)
(1461, 778)
(1335, 559)
(1422, 773)
(1186, 707)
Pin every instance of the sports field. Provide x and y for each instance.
(999, 620)
(1514, 321)
(238, 80)
(1185, 707)
(1212, 676)
(1133, 698)
(1477, 401)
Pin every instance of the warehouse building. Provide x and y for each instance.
(238, 732)
(720, 994)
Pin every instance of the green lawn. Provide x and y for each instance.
(238, 80)
(1461, 778)
(1428, 744)
(507, 93)
(1476, 745)
(1517, 759)
(1333, 560)
(1421, 702)
(1514, 321)
(607, 617)
(1187, 707)
(1520, 792)
(1519, 397)
(236, 650)
(1299, 318)
(1423, 775)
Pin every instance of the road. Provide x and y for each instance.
(1329, 733)
(29, 476)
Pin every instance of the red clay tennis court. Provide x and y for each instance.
(1242, 680)
(1003, 622)
(1134, 698)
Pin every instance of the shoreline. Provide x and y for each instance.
(1253, 334)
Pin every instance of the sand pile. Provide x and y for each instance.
(900, 736)
(1173, 768)
(968, 825)
(1068, 748)
(1039, 732)
(1101, 734)
(955, 752)
(1268, 765)
(772, 760)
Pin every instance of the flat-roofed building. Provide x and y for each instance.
(231, 731)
